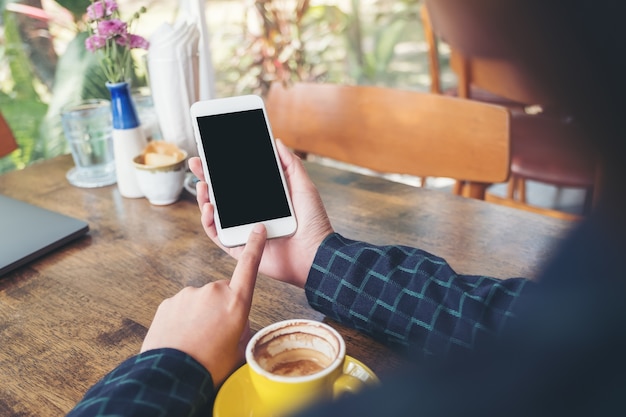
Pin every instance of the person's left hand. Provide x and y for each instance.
(210, 323)
(287, 259)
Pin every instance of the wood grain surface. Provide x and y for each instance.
(72, 316)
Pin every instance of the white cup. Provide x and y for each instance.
(160, 171)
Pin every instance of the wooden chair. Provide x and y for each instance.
(544, 146)
(7, 140)
(395, 131)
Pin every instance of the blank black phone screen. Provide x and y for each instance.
(244, 173)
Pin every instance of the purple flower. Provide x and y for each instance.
(110, 35)
(111, 28)
(101, 8)
(95, 42)
(137, 41)
(122, 40)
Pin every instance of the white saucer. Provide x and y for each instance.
(237, 397)
(190, 183)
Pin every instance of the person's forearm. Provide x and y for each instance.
(157, 382)
(407, 297)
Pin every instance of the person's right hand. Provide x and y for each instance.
(210, 323)
(287, 259)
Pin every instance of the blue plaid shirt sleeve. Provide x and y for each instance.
(160, 382)
(409, 298)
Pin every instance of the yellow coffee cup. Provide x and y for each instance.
(294, 363)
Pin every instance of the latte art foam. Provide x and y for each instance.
(298, 362)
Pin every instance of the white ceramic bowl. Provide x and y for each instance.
(161, 184)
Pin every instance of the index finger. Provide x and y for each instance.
(244, 276)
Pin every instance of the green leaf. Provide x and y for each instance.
(21, 68)
(76, 7)
(386, 41)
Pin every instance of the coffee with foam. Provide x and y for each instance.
(297, 362)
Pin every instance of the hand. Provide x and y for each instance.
(211, 323)
(286, 259)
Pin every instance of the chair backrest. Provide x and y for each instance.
(482, 59)
(477, 57)
(7, 140)
(395, 131)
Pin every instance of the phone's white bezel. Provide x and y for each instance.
(238, 235)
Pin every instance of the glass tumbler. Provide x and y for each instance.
(88, 129)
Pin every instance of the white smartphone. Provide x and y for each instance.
(241, 165)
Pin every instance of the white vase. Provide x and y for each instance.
(128, 143)
(129, 138)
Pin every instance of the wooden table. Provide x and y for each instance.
(68, 318)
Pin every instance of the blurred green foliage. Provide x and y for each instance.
(23, 108)
(303, 42)
(372, 45)
(293, 41)
(36, 123)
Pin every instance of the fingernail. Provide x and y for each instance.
(258, 228)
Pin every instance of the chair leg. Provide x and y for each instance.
(475, 190)
(521, 187)
(516, 189)
(457, 188)
(510, 189)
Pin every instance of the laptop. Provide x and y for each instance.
(28, 232)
